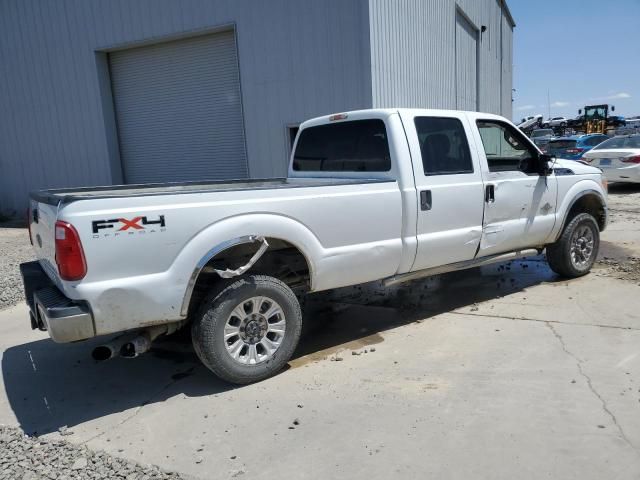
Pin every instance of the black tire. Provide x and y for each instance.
(208, 328)
(545, 125)
(559, 254)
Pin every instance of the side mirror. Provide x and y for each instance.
(613, 108)
(580, 112)
(543, 165)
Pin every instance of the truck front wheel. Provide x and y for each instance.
(575, 252)
(247, 331)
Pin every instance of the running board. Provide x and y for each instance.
(452, 267)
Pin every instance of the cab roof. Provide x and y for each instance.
(383, 113)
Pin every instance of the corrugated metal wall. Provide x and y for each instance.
(413, 53)
(507, 67)
(298, 59)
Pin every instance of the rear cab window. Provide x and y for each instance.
(562, 144)
(347, 146)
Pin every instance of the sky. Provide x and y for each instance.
(583, 52)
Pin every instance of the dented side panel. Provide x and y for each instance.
(348, 233)
(522, 213)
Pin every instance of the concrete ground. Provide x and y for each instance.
(504, 372)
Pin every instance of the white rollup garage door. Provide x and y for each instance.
(178, 110)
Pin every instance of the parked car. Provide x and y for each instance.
(631, 126)
(576, 123)
(616, 121)
(386, 194)
(530, 122)
(542, 136)
(555, 122)
(573, 147)
(618, 157)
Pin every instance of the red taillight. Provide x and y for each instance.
(634, 159)
(575, 150)
(29, 224)
(69, 254)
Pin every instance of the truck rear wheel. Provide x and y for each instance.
(247, 331)
(575, 252)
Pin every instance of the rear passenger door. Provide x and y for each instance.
(449, 187)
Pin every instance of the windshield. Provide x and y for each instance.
(620, 142)
(542, 132)
(595, 113)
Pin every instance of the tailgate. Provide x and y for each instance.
(42, 220)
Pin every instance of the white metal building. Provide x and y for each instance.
(131, 91)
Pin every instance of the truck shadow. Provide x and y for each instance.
(624, 188)
(50, 386)
(353, 317)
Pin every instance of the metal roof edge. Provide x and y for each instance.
(507, 12)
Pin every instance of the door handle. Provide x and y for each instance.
(425, 200)
(490, 194)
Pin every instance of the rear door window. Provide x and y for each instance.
(352, 146)
(444, 147)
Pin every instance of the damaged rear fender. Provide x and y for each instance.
(230, 232)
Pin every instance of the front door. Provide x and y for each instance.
(449, 188)
(519, 204)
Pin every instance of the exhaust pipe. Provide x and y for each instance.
(103, 352)
(109, 350)
(142, 343)
(131, 345)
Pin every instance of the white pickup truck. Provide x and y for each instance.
(386, 194)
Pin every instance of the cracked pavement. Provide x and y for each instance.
(605, 407)
(502, 372)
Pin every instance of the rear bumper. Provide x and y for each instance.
(627, 174)
(66, 320)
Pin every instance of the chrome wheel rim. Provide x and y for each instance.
(582, 242)
(254, 330)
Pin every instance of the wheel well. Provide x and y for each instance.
(282, 260)
(592, 204)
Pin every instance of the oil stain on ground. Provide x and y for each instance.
(353, 318)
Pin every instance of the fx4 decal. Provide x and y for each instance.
(135, 225)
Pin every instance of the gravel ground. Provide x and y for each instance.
(625, 269)
(33, 458)
(16, 249)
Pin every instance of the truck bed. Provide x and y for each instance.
(68, 195)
